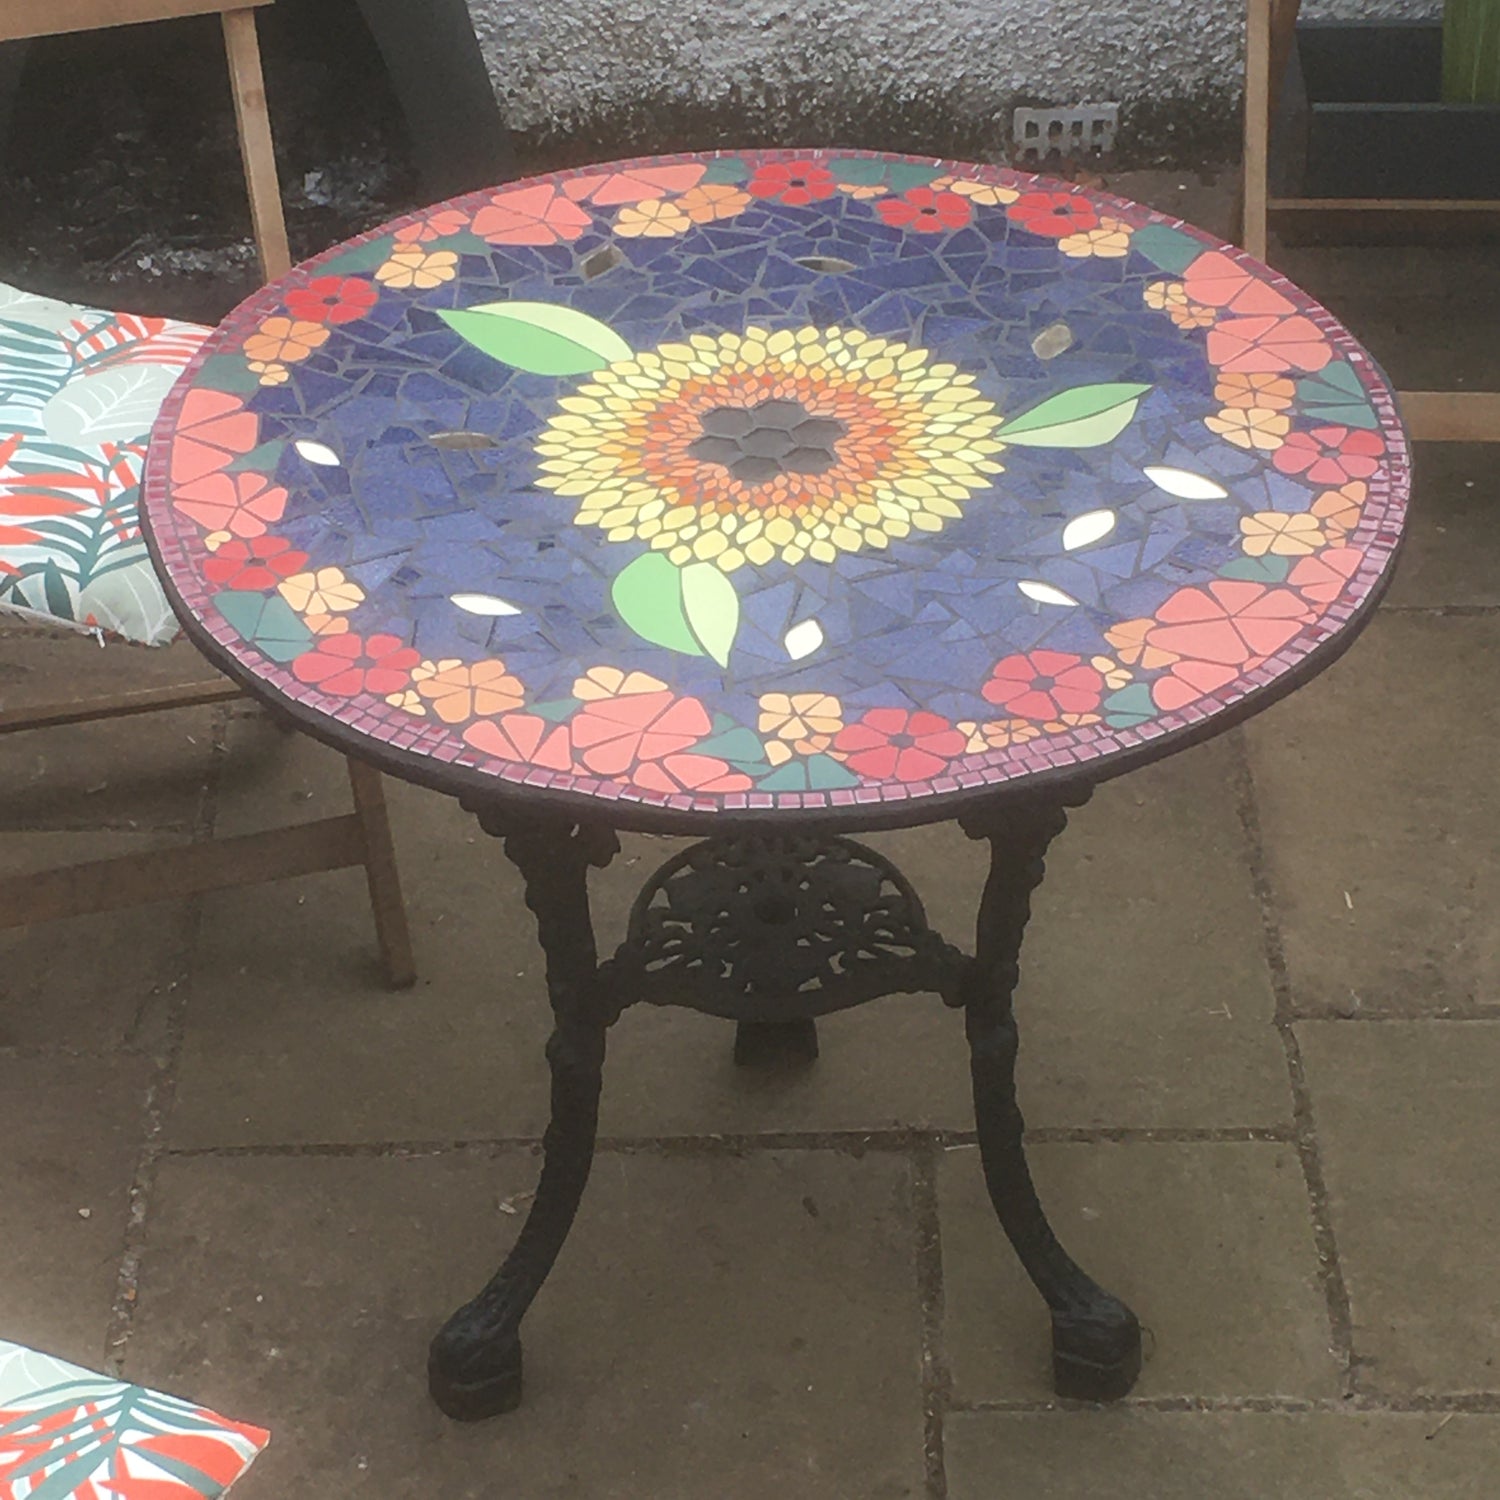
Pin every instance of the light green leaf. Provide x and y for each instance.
(1168, 248)
(114, 406)
(712, 609)
(1086, 417)
(694, 610)
(648, 595)
(541, 338)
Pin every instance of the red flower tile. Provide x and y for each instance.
(794, 183)
(1331, 455)
(347, 664)
(212, 429)
(1055, 215)
(244, 504)
(331, 299)
(926, 211)
(527, 739)
(891, 744)
(1044, 685)
(259, 563)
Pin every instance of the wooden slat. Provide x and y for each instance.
(118, 705)
(1257, 124)
(389, 910)
(1385, 205)
(28, 18)
(1451, 416)
(169, 874)
(257, 152)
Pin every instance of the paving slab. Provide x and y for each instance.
(1375, 788)
(1210, 1244)
(143, 772)
(89, 983)
(72, 1129)
(291, 1033)
(1140, 1455)
(1452, 552)
(740, 1326)
(1408, 1118)
(1146, 999)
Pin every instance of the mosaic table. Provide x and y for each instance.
(769, 497)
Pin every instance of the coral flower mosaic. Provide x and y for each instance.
(775, 480)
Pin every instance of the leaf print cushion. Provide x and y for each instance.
(79, 391)
(69, 1434)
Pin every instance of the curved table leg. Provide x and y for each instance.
(1096, 1340)
(474, 1364)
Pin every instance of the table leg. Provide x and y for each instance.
(474, 1365)
(1096, 1340)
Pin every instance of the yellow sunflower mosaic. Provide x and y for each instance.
(736, 448)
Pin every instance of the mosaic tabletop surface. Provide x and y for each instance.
(766, 481)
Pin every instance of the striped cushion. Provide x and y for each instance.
(68, 1434)
(79, 390)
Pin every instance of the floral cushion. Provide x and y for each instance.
(79, 391)
(68, 1434)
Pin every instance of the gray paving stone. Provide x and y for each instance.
(136, 773)
(291, 1034)
(740, 1326)
(1452, 551)
(1136, 1455)
(1209, 1244)
(1407, 1117)
(1145, 1000)
(1375, 789)
(88, 983)
(72, 1129)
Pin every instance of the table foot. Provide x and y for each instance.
(474, 1364)
(1096, 1340)
(475, 1397)
(759, 1044)
(1096, 1355)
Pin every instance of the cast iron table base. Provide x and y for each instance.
(772, 931)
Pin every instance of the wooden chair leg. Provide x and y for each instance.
(256, 148)
(1270, 35)
(1257, 127)
(380, 870)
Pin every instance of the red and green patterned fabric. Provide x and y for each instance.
(69, 1434)
(79, 391)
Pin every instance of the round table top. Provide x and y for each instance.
(757, 483)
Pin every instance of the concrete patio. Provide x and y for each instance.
(1260, 1039)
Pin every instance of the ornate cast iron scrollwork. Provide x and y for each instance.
(778, 927)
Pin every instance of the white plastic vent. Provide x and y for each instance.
(1086, 130)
